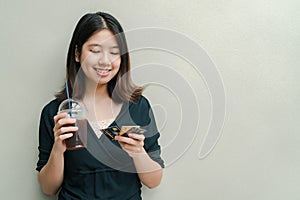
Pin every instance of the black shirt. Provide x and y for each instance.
(102, 170)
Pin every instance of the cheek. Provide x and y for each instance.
(89, 59)
(116, 63)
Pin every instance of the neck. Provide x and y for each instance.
(96, 91)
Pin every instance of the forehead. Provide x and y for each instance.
(102, 38)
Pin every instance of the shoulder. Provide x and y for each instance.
(141, 105)
(47, 115)
(141, 112)
(50, 109)
(141, 102)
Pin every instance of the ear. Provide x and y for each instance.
(77, 55)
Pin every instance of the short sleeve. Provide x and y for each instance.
(151, 143)
(153, 149)
(46, 137)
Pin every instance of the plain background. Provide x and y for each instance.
(255, 45)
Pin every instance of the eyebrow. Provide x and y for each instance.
(99, 45)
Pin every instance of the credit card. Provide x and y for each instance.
(113, 131)
(131, 129)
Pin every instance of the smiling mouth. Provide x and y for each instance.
(103, 71)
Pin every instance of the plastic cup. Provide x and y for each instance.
(75, 110)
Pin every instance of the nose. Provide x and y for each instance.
(104, 59)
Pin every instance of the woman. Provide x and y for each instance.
(98, 74)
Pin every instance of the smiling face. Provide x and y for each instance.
(100, 57)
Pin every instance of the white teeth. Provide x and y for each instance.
(102, 71)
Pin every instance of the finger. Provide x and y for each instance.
(126, 140)
(132, 149)
(65, 130)
(136, 136)
(65, 136)
(64, 121)
(126, 147)
(122, 144)
(60, 116)
(68, 129)
(129, 147)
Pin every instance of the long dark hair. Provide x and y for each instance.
(120, 88)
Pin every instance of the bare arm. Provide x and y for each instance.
(149, 171)
(51, 175)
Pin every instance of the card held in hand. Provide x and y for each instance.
(113, 131)
(131, 129)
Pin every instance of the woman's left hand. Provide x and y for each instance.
(133, 144)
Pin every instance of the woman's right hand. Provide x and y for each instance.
(62, 131)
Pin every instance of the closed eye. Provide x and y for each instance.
(95, 51)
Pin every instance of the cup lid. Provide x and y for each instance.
(70, 104)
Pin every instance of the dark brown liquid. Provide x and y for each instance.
(79, 138)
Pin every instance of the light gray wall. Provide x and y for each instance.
(255, 45)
